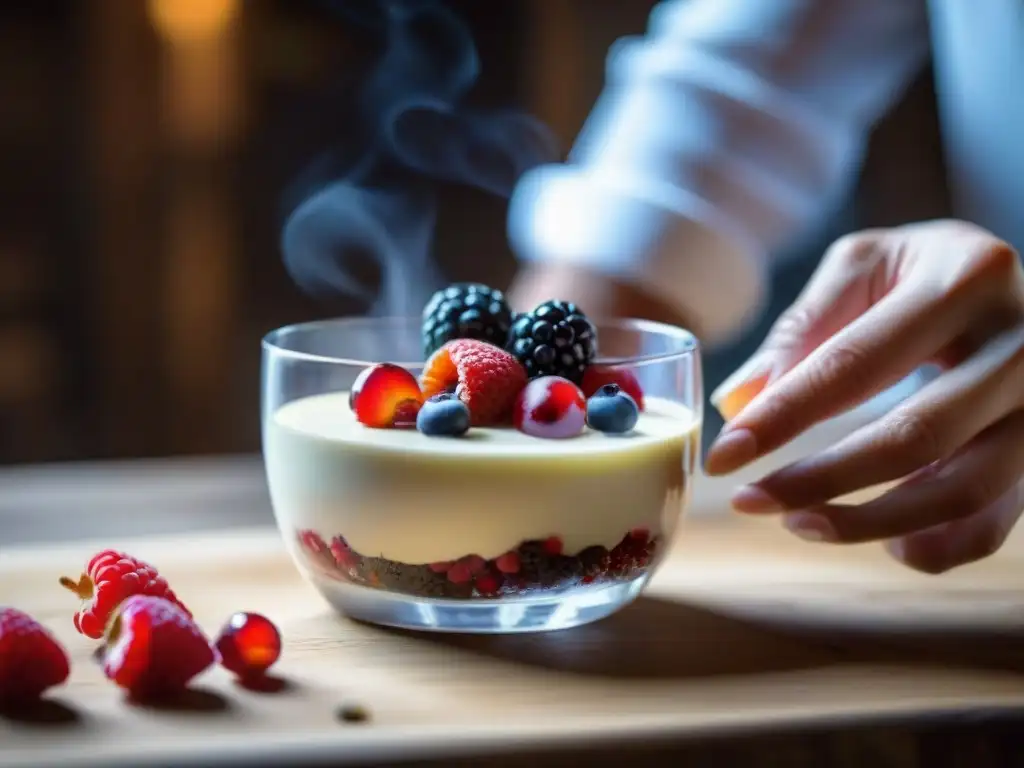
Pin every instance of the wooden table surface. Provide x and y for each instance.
(749, 646)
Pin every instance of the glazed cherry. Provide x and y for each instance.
(249, 644)
(386, 396)
(550, 407)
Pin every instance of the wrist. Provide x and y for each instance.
(597, 294)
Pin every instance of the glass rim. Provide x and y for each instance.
(270, 342)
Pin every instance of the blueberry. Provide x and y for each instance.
(443, 415)
(612, 412)
(607, 390)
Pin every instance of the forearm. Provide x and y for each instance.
(719, 135)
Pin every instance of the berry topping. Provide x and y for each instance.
(153, 648)
(110, 577)
(249, 644)
(508, 563)
(386, 396)
(486, 378)
(459, 573)
(31, 660)
(596, 376)
(487, 584)
(550, 407)
(612, 411)
(443, 415)
(553, 545)
(342, 552)
(554, 339)
(465, 311)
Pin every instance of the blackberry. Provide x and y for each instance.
(465, 311)
(555, 339)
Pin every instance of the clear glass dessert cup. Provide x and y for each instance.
(491, 532)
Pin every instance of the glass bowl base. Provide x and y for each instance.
(539, 613)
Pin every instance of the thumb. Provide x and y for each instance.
(852, 276)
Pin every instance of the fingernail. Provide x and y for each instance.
(731, 451)
(733, 395)
(810, 527)
(754, 500)
(897, 549)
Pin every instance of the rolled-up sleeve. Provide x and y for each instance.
(722, 133)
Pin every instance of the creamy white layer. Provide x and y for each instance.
(404, 496)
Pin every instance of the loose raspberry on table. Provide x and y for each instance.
(110, 578)
(31, 659)
(486, 378)
(154, 648)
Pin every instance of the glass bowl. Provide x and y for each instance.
(494, 531)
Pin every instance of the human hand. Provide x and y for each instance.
(881, 304)
(601, 297)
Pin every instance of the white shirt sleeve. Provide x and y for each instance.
(720, 134)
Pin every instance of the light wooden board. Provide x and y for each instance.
(745, 628)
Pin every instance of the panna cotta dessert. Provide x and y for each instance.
(512, 466)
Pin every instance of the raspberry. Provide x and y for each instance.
(486, 378)
(110, 578)
(153, 647)
(31, 659)
(597, 376)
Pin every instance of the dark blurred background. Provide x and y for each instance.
(146, 145)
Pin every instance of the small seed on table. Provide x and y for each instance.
(353, 713)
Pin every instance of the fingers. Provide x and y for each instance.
(945, 276)
(960, 542)
(850, 279)
(907, 327)
(928, 427)
(975, 479)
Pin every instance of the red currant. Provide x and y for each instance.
(249, 644)
(550, 407)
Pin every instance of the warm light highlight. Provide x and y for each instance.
(732, 402)
(188, 20)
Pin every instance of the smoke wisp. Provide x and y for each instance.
(367, 231)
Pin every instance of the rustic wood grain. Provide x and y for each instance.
(746, 631)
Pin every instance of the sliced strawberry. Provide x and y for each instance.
(386, 396)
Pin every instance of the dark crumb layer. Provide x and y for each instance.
(533, 566)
